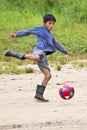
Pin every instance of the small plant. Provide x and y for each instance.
(17, 71)
(58, 67)
(29, 70)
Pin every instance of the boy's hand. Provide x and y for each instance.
(70, 54)
(13, 35)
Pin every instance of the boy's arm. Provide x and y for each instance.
(34, 31)
(60, 48)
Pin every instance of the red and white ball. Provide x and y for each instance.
(66, 92)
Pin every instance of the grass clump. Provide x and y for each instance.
(58, 67)
(29, 70)
(79, 64)
(10, 68)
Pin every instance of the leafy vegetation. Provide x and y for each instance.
(70, 29)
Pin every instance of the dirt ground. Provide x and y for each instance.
(19, 110)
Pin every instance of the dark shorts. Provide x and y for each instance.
(43, 63)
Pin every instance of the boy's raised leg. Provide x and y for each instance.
(17, 55)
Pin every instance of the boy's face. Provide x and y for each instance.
(49, 25)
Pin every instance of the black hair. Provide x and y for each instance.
(48, 17)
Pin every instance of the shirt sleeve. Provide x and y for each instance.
(33, 31)
(58, 46)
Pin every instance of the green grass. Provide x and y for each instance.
(70, 29)
(10, 68)
(79, 64)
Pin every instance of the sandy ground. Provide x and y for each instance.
(19, 110)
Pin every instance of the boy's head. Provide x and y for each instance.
(49, 21)
(49, 17)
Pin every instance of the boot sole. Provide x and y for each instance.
(39, 100)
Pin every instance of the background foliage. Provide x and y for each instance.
(70, 29)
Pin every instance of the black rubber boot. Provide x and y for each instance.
(15, 54)
(39, 93)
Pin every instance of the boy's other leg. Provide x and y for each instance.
(41, 88)
(47, 76)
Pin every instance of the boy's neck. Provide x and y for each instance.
(46, 28)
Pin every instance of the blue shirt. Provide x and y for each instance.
(45, 39)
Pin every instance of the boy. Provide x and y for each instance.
(46, 45)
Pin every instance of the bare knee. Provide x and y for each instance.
(36, 57)
(32, 57)
(48, 76)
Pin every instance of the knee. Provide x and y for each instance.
(36, 57)
(32, 57)
(48, 76)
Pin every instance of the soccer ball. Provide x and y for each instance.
(66, 92)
